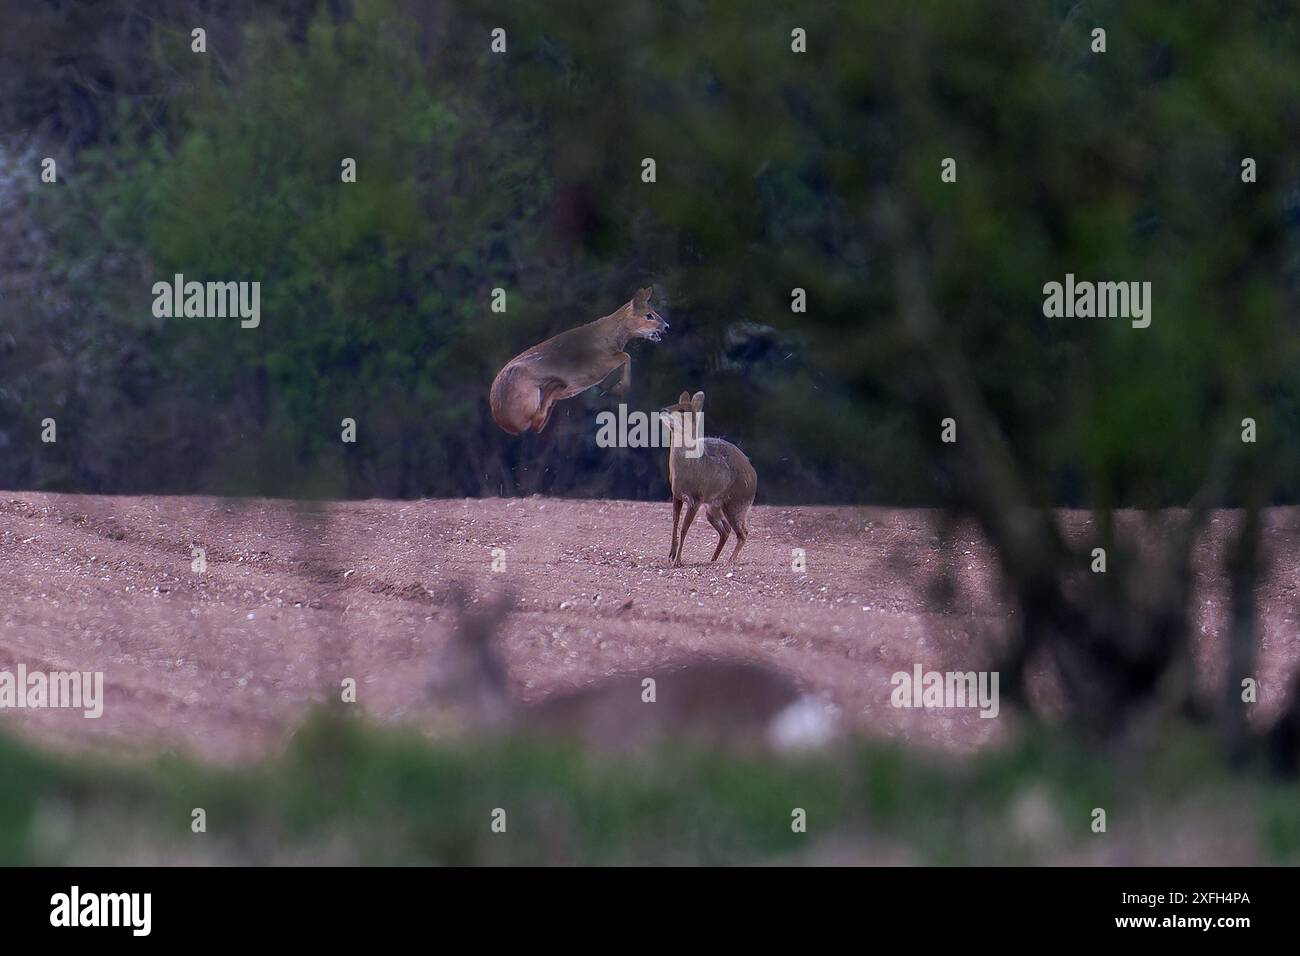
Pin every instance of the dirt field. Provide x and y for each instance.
(224, 663)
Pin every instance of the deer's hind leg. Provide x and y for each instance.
(738, 518)
(721, 526)
(550, 395)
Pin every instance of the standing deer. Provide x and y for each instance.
(524, 393)
(716, 476)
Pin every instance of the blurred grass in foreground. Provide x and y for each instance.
(348, 793)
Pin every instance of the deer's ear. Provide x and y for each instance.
(642, 297)
(684, 398)
(697, 401)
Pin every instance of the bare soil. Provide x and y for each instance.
(295, 598)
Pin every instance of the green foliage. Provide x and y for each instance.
(346, 793)
(370, 291)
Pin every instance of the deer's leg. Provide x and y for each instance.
(620, 363)
(691, 508)
(550, 396)
(677, 516)
(719, 525)
(625, 379)
(737, 519)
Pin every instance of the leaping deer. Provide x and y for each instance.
(524, 393)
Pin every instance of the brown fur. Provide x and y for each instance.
(524, 393)
(720, 701)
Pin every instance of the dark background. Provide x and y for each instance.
(775, 170)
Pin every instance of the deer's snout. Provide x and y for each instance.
(653, 332)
